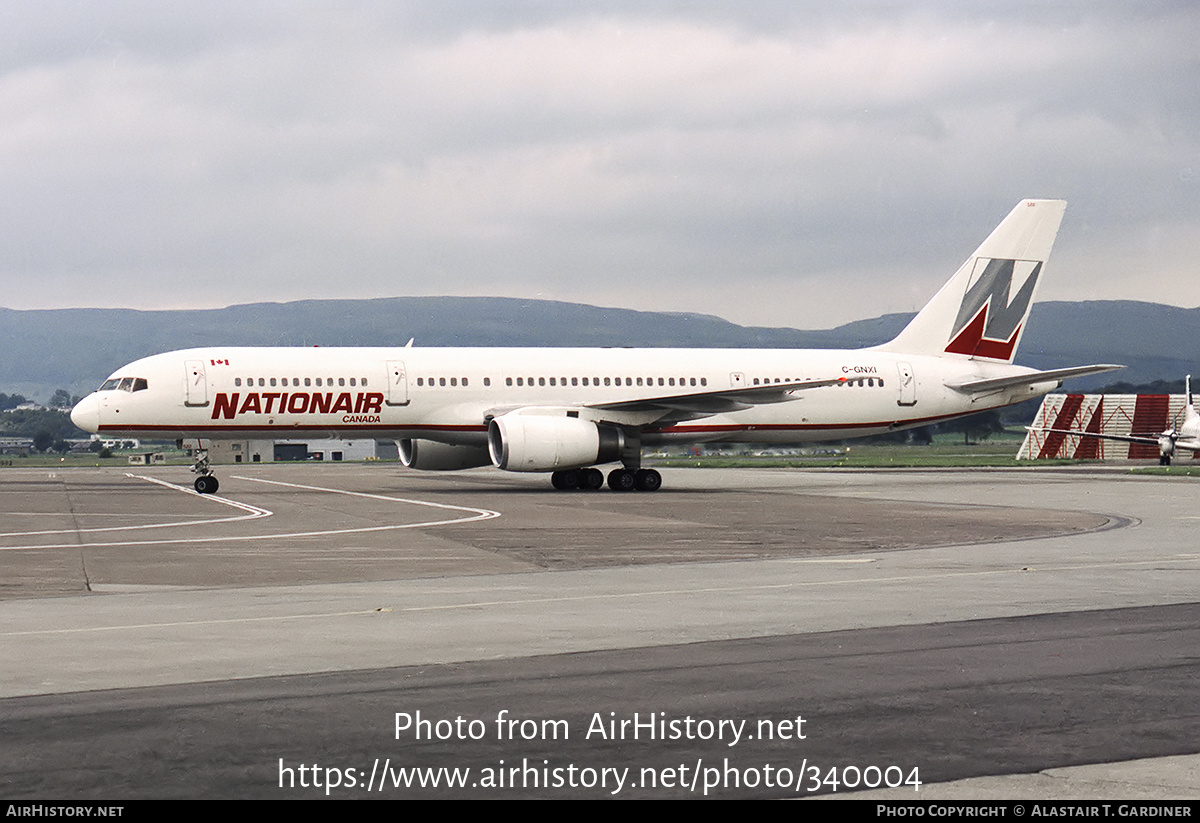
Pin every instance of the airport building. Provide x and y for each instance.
(271, 451)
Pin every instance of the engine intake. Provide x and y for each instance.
(537, 442)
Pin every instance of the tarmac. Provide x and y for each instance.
(1017, 634)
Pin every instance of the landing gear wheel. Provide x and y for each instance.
(648, 480)
(622, 480)
(591, 479)
(565, 480)
(206, 484)
(1164, 460)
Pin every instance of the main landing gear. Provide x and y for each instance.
(619, 480)
(206, 483)
(631, 476)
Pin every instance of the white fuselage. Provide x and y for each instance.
(449, 394)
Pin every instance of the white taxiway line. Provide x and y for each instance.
(798, 584)
(486, 599)
(483, 514)
(254, 512)
(474, 514)
(179, 623)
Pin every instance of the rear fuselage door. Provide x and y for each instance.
(908, 385)
(197, 384)
(397, 384)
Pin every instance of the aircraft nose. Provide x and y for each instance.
(86, 414)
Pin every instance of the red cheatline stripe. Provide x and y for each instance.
(284, 431)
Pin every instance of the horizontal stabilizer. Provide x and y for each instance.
(1029, 379)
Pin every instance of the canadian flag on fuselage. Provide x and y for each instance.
(982, 311)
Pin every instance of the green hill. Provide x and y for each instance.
(76, 349)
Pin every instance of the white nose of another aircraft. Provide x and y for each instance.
(86, 414)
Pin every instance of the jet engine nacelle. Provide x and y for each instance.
(539, 443)
(431, 456)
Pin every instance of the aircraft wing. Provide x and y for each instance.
(1123, 438)
(1145, 439)
(718, 401)
(994, 383)
(670, 408)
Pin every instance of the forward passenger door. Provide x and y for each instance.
(196, 393)
(397, 394)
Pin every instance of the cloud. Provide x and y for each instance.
(694, 157)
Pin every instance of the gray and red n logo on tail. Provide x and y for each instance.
(989, 323)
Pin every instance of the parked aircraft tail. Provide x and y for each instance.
(982, 311)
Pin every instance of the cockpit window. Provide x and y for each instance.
(130, 384)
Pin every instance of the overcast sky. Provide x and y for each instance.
(774, 163)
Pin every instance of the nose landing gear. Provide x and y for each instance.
(207, 482)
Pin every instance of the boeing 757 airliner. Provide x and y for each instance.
(566, 410)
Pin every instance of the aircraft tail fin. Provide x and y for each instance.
(982, 311)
